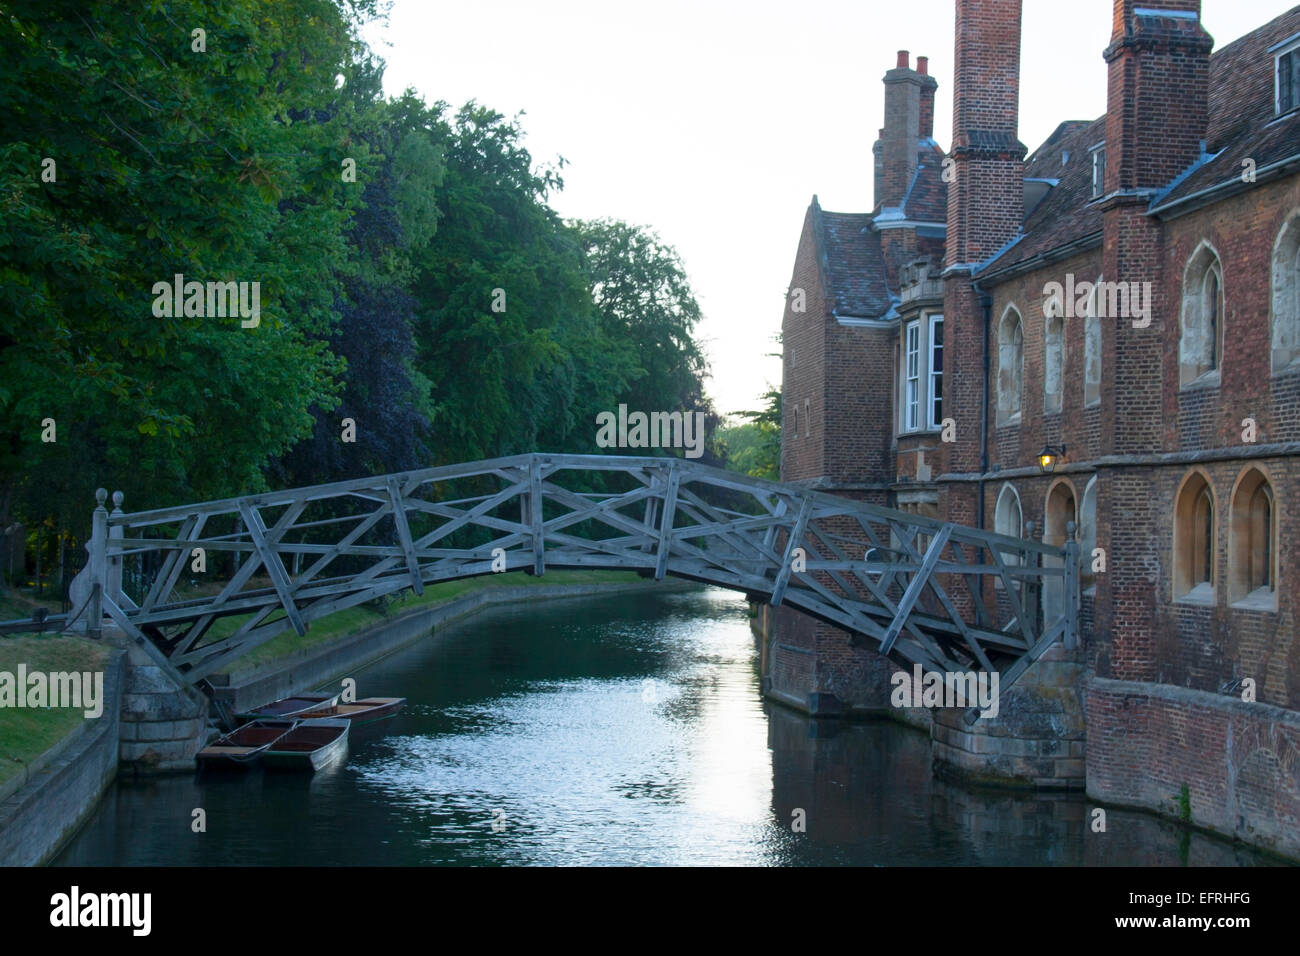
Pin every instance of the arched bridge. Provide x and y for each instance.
(203, 584)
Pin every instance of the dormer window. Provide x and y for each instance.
(1287, 71)
(1098, 170)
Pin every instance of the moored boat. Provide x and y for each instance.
(287, 707)
(362, 711)
(310, 745)
(243, 747)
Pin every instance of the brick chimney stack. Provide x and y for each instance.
(1156, 117)
(1157, 105)
(878, 166)
(986, 197)
(928, 85)
(985, 200)
(904, 92)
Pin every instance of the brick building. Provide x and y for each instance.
(1128, 292)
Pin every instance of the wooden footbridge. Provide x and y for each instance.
(205, 583)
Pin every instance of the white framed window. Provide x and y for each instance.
(1098, 170)
(921, 378)
(912, 377)
(1286, 72)
(935, 396)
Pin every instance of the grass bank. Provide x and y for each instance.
(26, 732)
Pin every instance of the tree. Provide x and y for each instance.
(648, 314)
(217, 160)
(754, 447)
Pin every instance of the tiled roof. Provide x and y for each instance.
(853, 263)
(1242, 122)
(1064, 215)
(1241, 125)
(927, 199)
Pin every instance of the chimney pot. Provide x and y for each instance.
(923, 65)
(903, 60)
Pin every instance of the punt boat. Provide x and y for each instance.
(245, 746)
(287, 707)
(361, 711)
(310, 745)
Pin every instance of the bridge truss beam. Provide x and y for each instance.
(948, 597)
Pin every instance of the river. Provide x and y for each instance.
(625, 729)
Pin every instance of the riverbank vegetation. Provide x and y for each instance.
(419, 300)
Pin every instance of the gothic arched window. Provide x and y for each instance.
(1011, 365)
(1194, 540)
(1286, 295)
(1053, 362)
(1092, 351)
(1252, 551)
(1200, 345)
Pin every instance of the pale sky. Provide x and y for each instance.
(715, 121)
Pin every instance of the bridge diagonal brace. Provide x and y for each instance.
(666, 523)
(274, 566)
(954, 615)
(787, 563)
(914, 588)
(174, 565)
(404, 535)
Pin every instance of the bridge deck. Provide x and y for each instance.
(948, 597)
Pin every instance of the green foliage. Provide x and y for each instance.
(220, 165)
(755, 446)
(438, 299)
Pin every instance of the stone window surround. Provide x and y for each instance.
(1087, 534)
(1092, 351)
(924, 323)
(1193, 369)
(1251, 479)
(1284, 318)
(1007, 348)
(1186, 586)
(1004, 517)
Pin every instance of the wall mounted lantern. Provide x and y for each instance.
(1049, 458)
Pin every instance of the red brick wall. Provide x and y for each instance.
(803, 365)
(1240, 762)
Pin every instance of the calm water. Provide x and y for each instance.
(620, 730)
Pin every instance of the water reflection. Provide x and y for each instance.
(626, 729)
